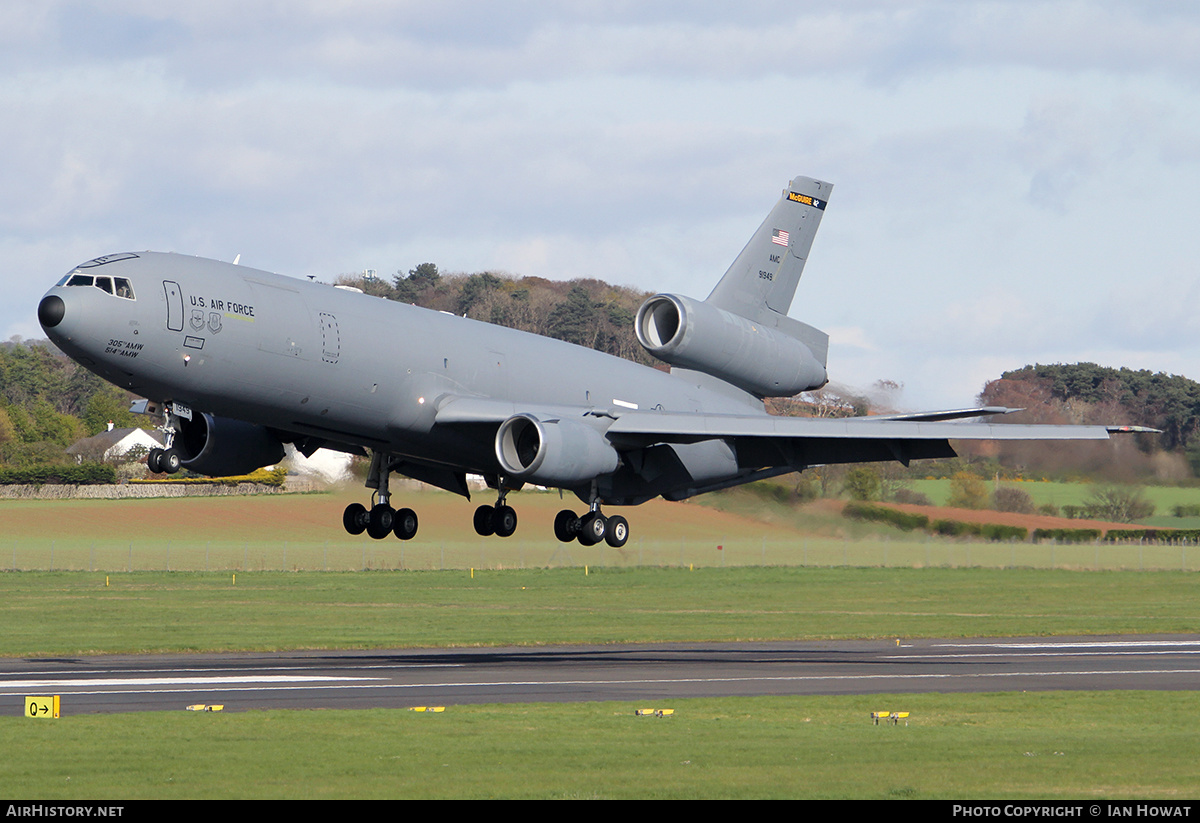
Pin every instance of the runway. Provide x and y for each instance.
(404, 678)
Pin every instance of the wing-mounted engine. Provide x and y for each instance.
(767, 362)
(555, 452)
(221, 446)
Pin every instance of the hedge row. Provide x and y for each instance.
(1067, 535)
(884, 514)
(272, 477)
(908, 522)
(82, 474)
(988, 531)
(1154, 535)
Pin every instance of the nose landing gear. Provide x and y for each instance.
(160, 461)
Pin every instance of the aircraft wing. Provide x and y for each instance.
(685, 427)
(798, 442)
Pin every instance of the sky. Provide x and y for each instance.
(1014, 182)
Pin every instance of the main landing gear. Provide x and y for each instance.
(591, 528)
(381, 520)
(500, 519)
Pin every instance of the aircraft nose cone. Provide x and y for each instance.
(51, 311)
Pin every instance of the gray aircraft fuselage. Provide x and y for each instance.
(312, 359)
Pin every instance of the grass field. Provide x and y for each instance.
(1164, 498)
(67, 613)
(1089, 746)
(1047, 745)
(303, 532)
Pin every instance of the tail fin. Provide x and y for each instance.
(762, 281)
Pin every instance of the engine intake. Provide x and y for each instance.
(553, 452)
(691, 334)
(222, 446)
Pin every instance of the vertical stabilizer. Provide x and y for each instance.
(762, 281)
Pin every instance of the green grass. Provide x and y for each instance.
(60, 613)
(1061, 494)
(1042, 745)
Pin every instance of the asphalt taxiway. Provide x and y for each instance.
(403, 678)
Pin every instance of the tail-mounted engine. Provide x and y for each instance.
(764, 361)
(558, 452)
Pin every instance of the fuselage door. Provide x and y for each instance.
(331, 338)
(174, 305)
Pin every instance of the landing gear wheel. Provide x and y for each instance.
(504, 521)
(379, 524)
(566, 526)
(592, 528)
(405, 524)
(483, 521)
(355, 518)
(618, 531)
(154, 461)
(170, 461)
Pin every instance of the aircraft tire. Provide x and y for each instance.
(592, 528)
(354, 518)
(405, 524)
(483, 521)
(154, 461)
(504, 521)
(617, 533)
(170, 461)
(566, 525)
(381, 519)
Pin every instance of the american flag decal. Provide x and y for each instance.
(779, 237)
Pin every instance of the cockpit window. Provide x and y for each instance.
(118, 286)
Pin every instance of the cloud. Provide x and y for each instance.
(998, 185)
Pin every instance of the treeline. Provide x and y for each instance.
(47, 402)
(1091, 394)
(1088, 393)
(590, 313)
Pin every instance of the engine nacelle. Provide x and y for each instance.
(221, 446)
(695, 335)
(553, 452)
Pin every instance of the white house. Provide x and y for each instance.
(114, 443)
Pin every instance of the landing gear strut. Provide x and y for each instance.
(167, 460)
(382, 519)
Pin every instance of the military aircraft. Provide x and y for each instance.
(240, 362)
